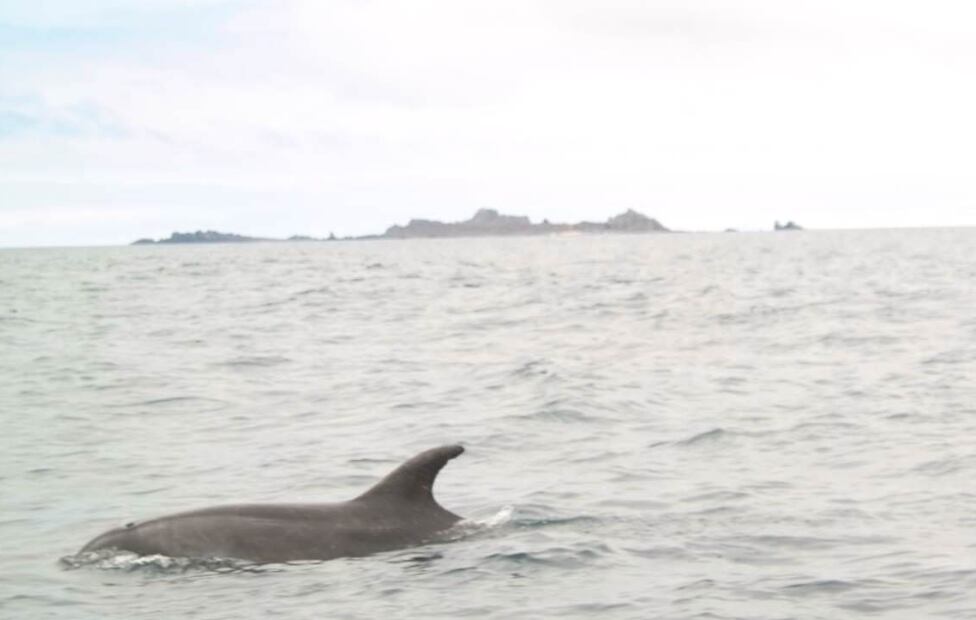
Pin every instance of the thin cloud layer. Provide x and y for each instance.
(128, 119)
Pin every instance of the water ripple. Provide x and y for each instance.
(683, 426)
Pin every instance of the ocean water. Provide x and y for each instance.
(657, 426)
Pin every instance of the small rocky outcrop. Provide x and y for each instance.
(632, 221)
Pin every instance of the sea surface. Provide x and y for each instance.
(752, 425)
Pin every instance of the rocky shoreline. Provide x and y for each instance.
(484, 223)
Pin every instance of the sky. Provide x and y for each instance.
(122, 119)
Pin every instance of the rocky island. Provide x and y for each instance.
(490, 223)
(484, 223)
(201, 236)
(213, 236)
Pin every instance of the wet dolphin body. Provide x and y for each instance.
(399, 511)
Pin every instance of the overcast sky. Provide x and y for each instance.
(124, 119)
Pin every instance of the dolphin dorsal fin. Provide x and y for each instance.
(414, 480)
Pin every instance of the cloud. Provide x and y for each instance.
(27, 116)
(701, 113)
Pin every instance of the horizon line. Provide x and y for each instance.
(380, 237)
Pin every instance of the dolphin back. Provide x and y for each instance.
(398, 511)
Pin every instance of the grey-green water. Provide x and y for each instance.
(674, 426)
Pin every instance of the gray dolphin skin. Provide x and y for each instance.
(399, 511)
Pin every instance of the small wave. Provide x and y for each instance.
(717, 496)
(582, 555)
(794, 542)
(826, 426)
(412, 557)
(108, 559)
(826, 586)
(956, 356)
(767, 312)
(554, 521)
(845, 339)
(599, 608)
(941, 467)
(660, 553)
(715, 434)
(174, 400)
(558, 414)
(152, 491)
(324, 290)
(256, 361)
(532, 368)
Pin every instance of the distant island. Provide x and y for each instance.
(212, 236)
(791, 225)
(490, 223)
(485, 223)
(201, 236)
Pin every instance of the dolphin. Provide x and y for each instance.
(399, 511)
